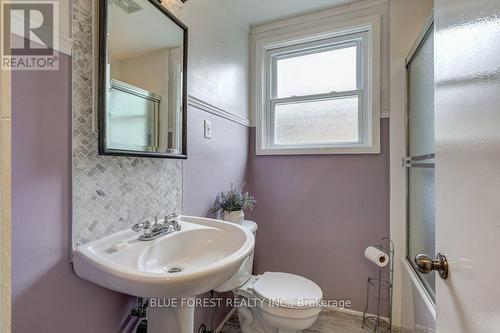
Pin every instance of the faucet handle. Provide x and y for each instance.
(177, 225)
(172, 219)
(142, 226)
(171, 216)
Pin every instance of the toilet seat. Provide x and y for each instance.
(273, 302)
(290, 291)
(287, 287)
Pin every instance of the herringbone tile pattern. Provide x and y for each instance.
(110, 193)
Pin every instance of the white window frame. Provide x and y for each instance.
(365, 34)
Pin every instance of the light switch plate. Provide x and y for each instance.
(208, 129)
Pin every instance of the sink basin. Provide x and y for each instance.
(197, 259)
(200, 257)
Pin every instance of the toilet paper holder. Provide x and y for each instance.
(382, 284)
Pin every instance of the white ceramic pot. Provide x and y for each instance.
(234, 217)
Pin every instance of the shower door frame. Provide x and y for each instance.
(426, 29)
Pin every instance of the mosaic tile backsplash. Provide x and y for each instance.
(110, 193)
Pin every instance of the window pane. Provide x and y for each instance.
(317, 122)
(317, 73)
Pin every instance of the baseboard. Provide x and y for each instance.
(225, 320)
(350, 312)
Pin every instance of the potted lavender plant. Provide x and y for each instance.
(231, 204)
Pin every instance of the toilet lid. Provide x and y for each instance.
(288, 290)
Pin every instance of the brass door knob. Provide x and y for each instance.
(426, 264)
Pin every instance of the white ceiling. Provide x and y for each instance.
(255, 12)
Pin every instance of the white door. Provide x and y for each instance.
(467, 143)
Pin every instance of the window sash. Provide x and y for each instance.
(325, 45)
(315, 47)
(367, 71)
(311, 98)
(369, 31)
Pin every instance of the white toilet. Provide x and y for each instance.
(273, 302)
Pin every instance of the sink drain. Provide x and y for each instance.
(174, 270)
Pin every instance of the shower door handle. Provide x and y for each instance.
(426, 264)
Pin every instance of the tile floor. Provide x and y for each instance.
(328, 322)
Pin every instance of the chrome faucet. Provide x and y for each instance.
(172, 220)
(157, 229)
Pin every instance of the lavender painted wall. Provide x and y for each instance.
(46, 295)
(314, 206)
(212, 164)
(316, 215)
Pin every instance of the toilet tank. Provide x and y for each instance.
(252, 226)
(246, 268)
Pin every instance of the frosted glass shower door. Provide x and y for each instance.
(420, 155)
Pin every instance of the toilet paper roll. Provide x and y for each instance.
(378, 257)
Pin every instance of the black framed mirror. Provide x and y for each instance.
(142, 80)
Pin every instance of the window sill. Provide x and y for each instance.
(339, 150)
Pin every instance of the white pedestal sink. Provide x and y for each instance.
(182, 264)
